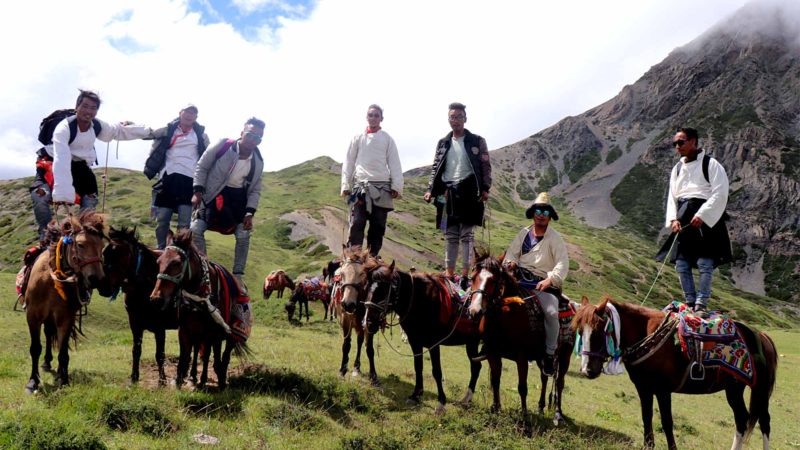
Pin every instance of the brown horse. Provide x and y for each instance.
(509, 331)
(350, 310)
(203, 288)
(277, 281)
(305, 291)
(419, 300)
(657, 367)
(60, 283)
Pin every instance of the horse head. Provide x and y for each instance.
(78, 250)
(354, 277)
(174, 267)
(489, 281)
(591, 323)
(379, 296)
(121, 257)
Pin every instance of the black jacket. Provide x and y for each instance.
(478, 157)
(163, 137)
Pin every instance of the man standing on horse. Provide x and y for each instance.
(697, 197)
(371, 179)
(174, 154)
(72, 153)
(227, 187)
(462, 174)
(538, 256)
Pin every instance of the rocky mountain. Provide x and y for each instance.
(738, 84)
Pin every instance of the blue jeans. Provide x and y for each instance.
(41, 206)
(199, 227)
(706, 267)
(163, 218)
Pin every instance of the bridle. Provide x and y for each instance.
(177, 279)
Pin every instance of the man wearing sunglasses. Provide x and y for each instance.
(371, 179)
(696, 202)
(227, 186)
(538, 256)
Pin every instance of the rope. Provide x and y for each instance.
(660, 269)
(105, 177)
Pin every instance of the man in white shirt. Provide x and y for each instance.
(371, 179)
(73, 153)
(697, 197)
(174, 155)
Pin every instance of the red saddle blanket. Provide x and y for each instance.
(315, 289)
(233, 304)
(452, 307)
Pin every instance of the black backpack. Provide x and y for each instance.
(705, 162)
(49, 123)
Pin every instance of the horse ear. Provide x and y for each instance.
(601, 308)
(170, 237)
(501, 258)
(391, 266)
(584, 300)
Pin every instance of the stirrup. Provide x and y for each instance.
(697, 371)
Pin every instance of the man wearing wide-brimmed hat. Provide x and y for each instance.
(539, 257)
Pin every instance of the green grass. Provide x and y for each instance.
(582, 164)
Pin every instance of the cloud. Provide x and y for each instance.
(519, 66)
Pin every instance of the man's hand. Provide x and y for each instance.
(696, 222)
(427, 197)
(394, 194)
(345, 193)
(247, 224)
(511, 265)
(196, 199)
(676, 226)
(485, 196)
(544, 284)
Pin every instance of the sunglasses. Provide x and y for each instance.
(456, 117)
(374, 115)
(540, 212)
(252, 136)
(678, 143)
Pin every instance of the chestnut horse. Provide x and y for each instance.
(305, 291)
(60, 284)
(200, 287)
(664, 368)
(277, 281)
(509, 332)
(418, 300)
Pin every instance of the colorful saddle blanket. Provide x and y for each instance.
(233, 304)
(714, 340)
(315, 289)
(566, 311)
(452, 307)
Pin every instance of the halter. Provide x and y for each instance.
(611, 352)
(64, 272)
(177, 279)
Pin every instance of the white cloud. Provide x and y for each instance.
(518, 65)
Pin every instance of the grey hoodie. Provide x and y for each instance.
(211, 174)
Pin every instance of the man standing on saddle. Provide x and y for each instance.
(538, 256)
(371, 179)
(174, 154)
(697, 197)
(227, 187)
(72, 152)
(462, 175)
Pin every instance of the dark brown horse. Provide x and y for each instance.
(662, 368)
(419, 300)
(60, 283)
(513, 328)
(277, 281)
(200, 286)
(305, 291)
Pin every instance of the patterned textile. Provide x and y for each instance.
(237, 314)
(315, 289)
(566, 311)
(452, 307)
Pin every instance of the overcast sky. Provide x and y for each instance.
(310, 69)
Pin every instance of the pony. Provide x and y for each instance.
(510, 331)
(60, 283)
(658, 368)
(428, 318)
(350, 311)
(305, 291)
(277, 281)
(210, 312)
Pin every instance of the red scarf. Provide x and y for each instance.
(370, 130)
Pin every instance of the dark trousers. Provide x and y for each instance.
(377, 226)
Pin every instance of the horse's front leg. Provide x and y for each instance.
(436, 369)
(665, 407)
(161, 358)
(204, 350)
(357, 362)
(64, 333)
(49, 337)
(735, 396)
(307, 311)
(373, 374)
(136, 353)
(496, 369)
(35, 350)
(522, 383)
(562, 367)
(185, 345)
(345, 352)
(474, 372)
(646, 403)
(542, 392)
(416, 395)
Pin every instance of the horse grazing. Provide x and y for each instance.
(513, 328)
(658, 367)
(352, 290)
(60, 284)
(211, 307)
(277, 281)
(305, 291)
(429, 319)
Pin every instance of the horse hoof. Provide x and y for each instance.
(47, 367)
(356, 373)
(467, 400)
(32, 387)
(374, 381)
(412, 401)
(440, 409)
(557, 419)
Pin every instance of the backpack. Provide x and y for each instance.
(158, 154)
(49, 123)
(705, 162)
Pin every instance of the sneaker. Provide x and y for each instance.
(700, 310)
(547, 366)
(464, 283)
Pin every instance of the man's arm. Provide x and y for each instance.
(121, 132)
(672, 210)
(561, 258)
(432, 177)
(63, 191)
(711, 211)
(201, 170)
(515, 249)
(348, 166)
(395, 170)
(486, 169)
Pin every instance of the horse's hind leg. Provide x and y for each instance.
(542, 392)
(474, 372)
(373, 374)
(221, 364)
(735, 396)
(561, 371)
(522, 383)
(184, 356)
(49, 338)
(436, 370)
(193, 365)
(665, 408)
(136, 353)
(35, 351)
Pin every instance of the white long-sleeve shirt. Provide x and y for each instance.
(82, 149)
(372, 157)
(547, 259)
(691, 183)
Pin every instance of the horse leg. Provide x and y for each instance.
(185, 344)
(136, 353)
(735, 396)
(522, 383)
(306, 302)
(474, 372)
(496, 370)
(35, 350)
(542, 392)
(665, 408)
(161, 358)
(345, 353)
(436, 369)
(222, 369)
(373, 374)
(646, 404)
(64, 333)
(561, 371)
(205, 355)
(357, 362)
(418, 386)
(49, 337)
(193, 364)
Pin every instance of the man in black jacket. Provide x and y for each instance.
(462, 175)
(174, 155)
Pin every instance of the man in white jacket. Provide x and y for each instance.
(72, 158)
(371, 179)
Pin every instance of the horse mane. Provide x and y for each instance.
(93, 222)
(124, 234)
(183, 240)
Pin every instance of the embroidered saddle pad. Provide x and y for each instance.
(233, 304)
(452, 307)
(315, 289)
(566, 311)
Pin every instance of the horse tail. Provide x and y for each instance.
(241, 350)
(765, 365)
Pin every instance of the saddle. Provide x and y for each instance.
(315, 289)
(24, 273)
(566, 311)
(237, 314)
(452, 307)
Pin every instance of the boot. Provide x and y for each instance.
(547, 366)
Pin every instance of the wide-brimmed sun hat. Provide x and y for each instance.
(542, 203)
